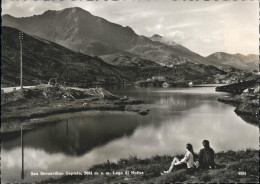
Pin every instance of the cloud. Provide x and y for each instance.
(209, 8)
(158, 27)
(212, 38)
(176, 36)
(154, 29)
(221, 21)
(161, 19)
(182, 25)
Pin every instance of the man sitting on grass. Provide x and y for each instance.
(206, 156)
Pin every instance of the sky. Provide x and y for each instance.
(204, 27)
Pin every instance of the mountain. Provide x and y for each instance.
(239, 61)
(81, 31)
(121, 60)
(76, 29)
(43, 59)
(157, 38)
(137, 69)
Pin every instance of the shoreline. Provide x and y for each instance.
(22, 111)
(246, 106)
(244, 96)
(41, 102)
(228, 161)
(22, 106)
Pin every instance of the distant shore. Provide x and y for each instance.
(232, 166)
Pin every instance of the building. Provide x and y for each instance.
(159, 78)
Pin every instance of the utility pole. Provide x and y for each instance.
(66, 70)
(21, 58)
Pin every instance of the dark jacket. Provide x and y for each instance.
(206, 158)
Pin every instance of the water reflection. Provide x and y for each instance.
(77, 136)
(177, 116)
(22, 149)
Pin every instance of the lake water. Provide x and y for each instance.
(177, 116)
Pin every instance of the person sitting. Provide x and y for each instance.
(187, 160)
(206, 156)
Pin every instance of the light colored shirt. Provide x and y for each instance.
(188, 159)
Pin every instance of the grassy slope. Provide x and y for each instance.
(43, 59)
(229, 164)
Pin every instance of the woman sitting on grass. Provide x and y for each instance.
(188, 159)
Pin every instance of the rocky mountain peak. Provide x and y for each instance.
(74, 10)
(157, 37)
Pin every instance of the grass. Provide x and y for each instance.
(229, 164)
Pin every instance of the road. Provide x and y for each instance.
(10, 89)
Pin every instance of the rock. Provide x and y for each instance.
(129, 101)
(143, 113)
(248, 108)
(133, 110)
(235, 99)
(104, 94)
(237, 88)
(247, 103)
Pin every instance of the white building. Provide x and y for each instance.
(159, 78)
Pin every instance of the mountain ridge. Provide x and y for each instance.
(80, 31)
(43, 59)
(244, 62)
(94, 35)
